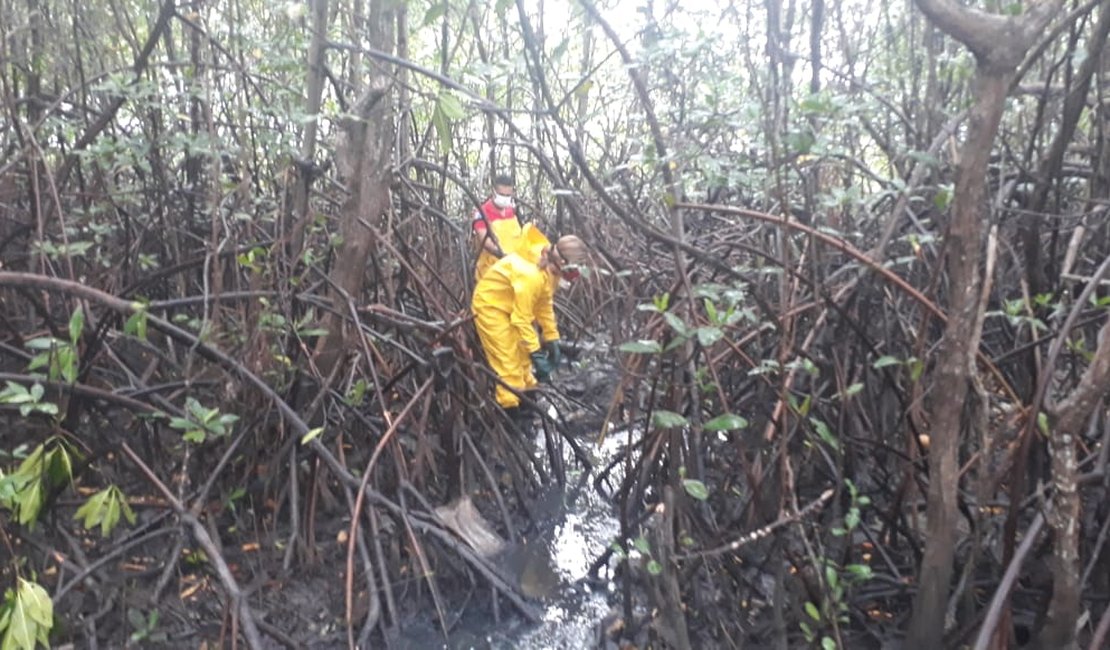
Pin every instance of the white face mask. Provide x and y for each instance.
(502, 201)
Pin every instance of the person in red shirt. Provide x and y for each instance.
(496, 226)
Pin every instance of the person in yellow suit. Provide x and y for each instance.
(515, 294)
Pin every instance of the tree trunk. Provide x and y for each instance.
(1070, 417)
(999, 45)
(957, 348)
(305, 166)
(367, 162)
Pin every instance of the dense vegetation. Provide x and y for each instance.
(850, 269)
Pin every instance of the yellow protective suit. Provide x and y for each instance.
(507, 232)
(530, 243)
(510, 298)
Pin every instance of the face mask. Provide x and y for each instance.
(502, 201)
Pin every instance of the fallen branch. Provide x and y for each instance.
(761, 533)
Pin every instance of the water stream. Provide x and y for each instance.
(585, 525)
(577, 525)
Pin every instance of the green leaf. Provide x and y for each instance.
(30, 501)
(195, 435)
(641, 545)
(443, 127)
(711, 311)
(675, 343)
(39, 606)
(1042, 423)
(90, 512)
(59, 467)
(726, 422)
(76, 324)
(707, 336)
(451, 107)
(859, 571)
(312, 435)
(654, 568)
(31, 464)
(39, 361)
(29, 617)
(696, 489)
(676, 324)
(67, 359)
(824, 433)
(667, 419)
(136, 618)
(111, 517)
(17, 394)
(883, 362)
(800, 142)
(854, 389)
(811, 609)
(199, 412)
(943, 198)
(643, 346)
(180, 423)
(827, 643)
(917, 366)
(104, 509)
(803, 408)
(136, 325)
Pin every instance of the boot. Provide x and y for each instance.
(521, 419)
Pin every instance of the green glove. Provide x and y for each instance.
(541, 366)
(554, 352)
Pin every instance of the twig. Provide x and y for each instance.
(760, 533)
(116, 551)
(1098, 640)
(360, 499)
(998, 601)
(240, 608)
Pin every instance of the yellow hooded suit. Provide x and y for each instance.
(509, 299)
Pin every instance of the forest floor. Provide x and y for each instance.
(568, 526)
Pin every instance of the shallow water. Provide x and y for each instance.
(587, 525)
(552, 565)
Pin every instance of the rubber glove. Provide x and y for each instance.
(554, 352)
(541, 366)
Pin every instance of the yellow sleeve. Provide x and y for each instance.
(527, 287)
(545, 312)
